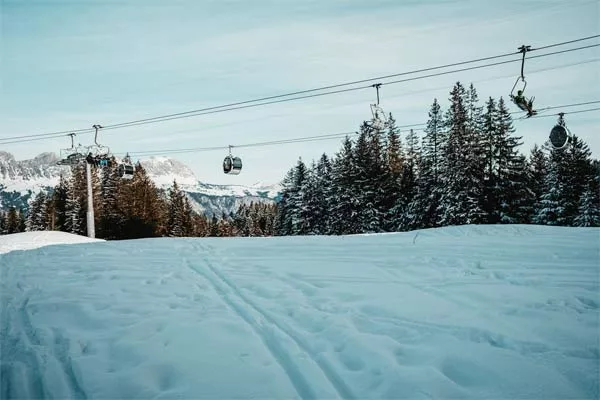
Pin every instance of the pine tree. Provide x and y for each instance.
(176, 224)
(392, 172)
(490, 158)
(59, 200)
(538, 170)
(460, 177)
(283, 220)
(318, 196)
(514, 201)
(427, 196)
(110, 217)
(344, 203)
(368, 181)
(13, 221)
(38, 216)
(577, 174)
(299, 215)
(142, 207)
(75, 205)
(406, 207)
(3, 229)
(550, 209)
(589, 207)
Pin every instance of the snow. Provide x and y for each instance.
(459, 312)
(34, 240)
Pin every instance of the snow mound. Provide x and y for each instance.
(505, 314)
(34, 240)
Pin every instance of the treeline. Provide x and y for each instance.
(467, 169)
(130, 209)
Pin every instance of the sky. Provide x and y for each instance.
(70, 64)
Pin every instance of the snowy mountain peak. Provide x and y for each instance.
(164, 171)
(27, 177)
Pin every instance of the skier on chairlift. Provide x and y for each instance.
(524, 104)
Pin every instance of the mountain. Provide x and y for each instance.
(21, 180)
(205, 197)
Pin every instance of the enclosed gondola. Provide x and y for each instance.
(560, 135)
(232, 165)
(126, 171)
(126, 168)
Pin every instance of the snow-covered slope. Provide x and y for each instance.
(34, 240)
(20, 181)
(501, 312)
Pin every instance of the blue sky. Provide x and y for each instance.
(70, 64)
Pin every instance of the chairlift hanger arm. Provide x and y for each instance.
(377, 86)
(523, 49)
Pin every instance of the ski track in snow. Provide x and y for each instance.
(299, 381)
(461, 312)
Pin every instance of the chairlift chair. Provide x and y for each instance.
(379, 120)
(71, 156)
(520, 100)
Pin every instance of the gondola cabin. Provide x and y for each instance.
(126, 171)
(232, 165)
(559, 137)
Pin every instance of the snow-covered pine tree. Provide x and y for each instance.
(299, 215)
(344, 203)
(74, 223)
(537, 172)
(110, 224)
(369, 180)
(407, 211)
(550, 209)
(240, 220)
(514, 200)
(474, 157)
(59, 200)
(38, 216)
(490, 157)
(578, 173)
(283, 219)
(317, 196)
(310, 201)
(187, 218)
(76, 204)
(392, 172)
(176, 212)
(460, 176)
(589, 207)
(570, 171)
(426, 199)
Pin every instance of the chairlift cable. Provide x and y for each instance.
(263, 100)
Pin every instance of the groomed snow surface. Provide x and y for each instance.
(481, 312)
(34, 240)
